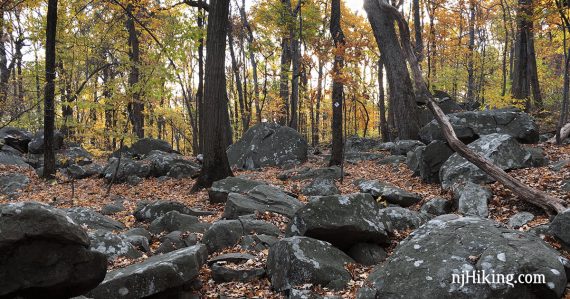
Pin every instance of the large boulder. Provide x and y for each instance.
(471, 199)
(74, 155)
(44, 254)
(342, 220)
(359, 144)
(448, 247)
(36, 145)
(113, 246)
(426, 161)
(175, 221)
(300, 260)
(267, 144)
(156, 274)
(11, 183)
(127, 168)
(501, 149)
(7, 158)
(320, 187)
(16, 138)
(227, 233)
(170, 164)
(219, 191)
(444, 101)
(149, 211)
(560, 227)
(263, 198)
(93, 220)
(402, 147)
(388, 192)
(146, 145)
(471, 124)
(401, 219)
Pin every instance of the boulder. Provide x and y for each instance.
(154, 275)
(391, 160)
(469, 125)
(176, 240)
(227, 233)
(333, 172)
(16, 138)
(359, 144)
(149, 211)
(426, 161)
(233, 257)
(437, 206)
(144, 146)
(367, 254)
(355, 157)
(219, 191)
(113, 208)
(436, 256)
(171, 165)
(401, 219)
(93, 220)
(44, 254)
(263, 198)
(444, 101)
(112, 246)
(299, 260)
(175, 221)
(36, 145)
(320, 187)
(221, 273)
(520, 219)
(7, 158)
(128, 167)
(472, 199)
(388, 192)
(501, 149)
(12, 183)
(267, 144)
(402, 147)
(342, 220)
(73, 155)
(82, 172)
(560, 227)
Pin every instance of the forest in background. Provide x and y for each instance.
(128, 69)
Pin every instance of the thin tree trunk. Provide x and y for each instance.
(239, 86)
(337, 87)
(136, 106)
(384, 131)
(418, 30)
(49, 104)
(470, 63)
(253, 62)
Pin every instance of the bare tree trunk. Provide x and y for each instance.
(239, 86)
(337, 86)
(470, 63)
(505, 49)
(49, 101)
(566, 89)
(216, 124)
(418, 30)
(384, 131)
(253, 61)
(382, 17)
(136, 107)
(316, 131)
(200, 90)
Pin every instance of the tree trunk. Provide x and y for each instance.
(384, 131)
(403, 102)
(200, 90)
(216, 124)
(239, 86)
(49, 101)
(136, 107)
(316, 131)
(253, 62)
(337, 86)
(470, 63)
(418, 29)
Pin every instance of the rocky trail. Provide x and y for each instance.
(397, 221)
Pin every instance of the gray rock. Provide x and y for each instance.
(176, 240)
(36, 145)
(402, 147)
(565, 186)
(219, 191)
(113, 208)
(93, 220)
(113, 246)
(367, 254)
(560, 227)
(449, 245)
(263, 198)
(139, 242)
(127, 168)
(359, 144)
(428, 160)
(299, 260)
(7, 158)
(437, 206)
(320, 187)
(257, 242)
(472, 199)
(520, 219)
(401, 219)
(79, 172)
(469, 125)
(227, 233)
(267, 144)
(74, 155)
(175, 221)
(139, 231)
(146, 145)
(394, 159)
(171, 165)
(12, 183)
(44, 254)
(557, 166)
(342, 220)
(355, 157)
(501, 149)
(388, 192)
(234, 257)
(333, 172)
(226, 274)
(156, 274)
(146, 211)
(16, 138)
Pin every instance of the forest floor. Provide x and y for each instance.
(91, 193)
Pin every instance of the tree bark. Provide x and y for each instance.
(49, 101)
(470, 63)
(382, 17)
(418, 30)
(136, 107)
(253, 62)
(239, 86)
(337, 86)
(216, 124)
(200, 90)
(384, 131)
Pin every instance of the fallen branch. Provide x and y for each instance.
(550, 204)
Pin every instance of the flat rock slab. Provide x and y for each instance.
(219, 191)
(154, 275)
(153, 210)
(262, 198)
(93, 220)
(388, 192)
